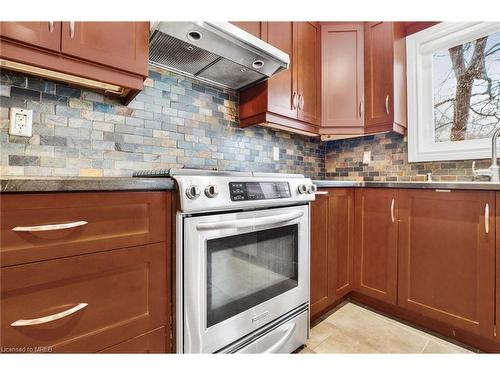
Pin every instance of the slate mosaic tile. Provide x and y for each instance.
(343, 160)
(174, 122)
(69, 91)
(18, 92)
(53, 140)
(22, 160)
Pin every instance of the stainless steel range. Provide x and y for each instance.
(242, 261)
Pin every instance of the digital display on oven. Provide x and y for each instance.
(248, 191)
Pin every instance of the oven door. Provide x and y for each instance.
(240, 272)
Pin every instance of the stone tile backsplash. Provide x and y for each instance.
(175, 122)
(389, 161)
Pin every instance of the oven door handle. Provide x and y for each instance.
(253, 222)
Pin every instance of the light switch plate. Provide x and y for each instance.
(367, 157)
(21, 122)
(276, 153)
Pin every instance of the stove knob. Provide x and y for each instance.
(312, 189)
(302, 189)
(211, 191)
(193, 192)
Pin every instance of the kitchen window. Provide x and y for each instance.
(453, 91)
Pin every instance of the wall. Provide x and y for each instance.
(175, 122)
(343, 161)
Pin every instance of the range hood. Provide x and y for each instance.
(215, 52)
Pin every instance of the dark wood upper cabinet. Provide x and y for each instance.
(121, 45)
(376, 243)
(256, 28)
(281, 88)
(39, 34)
(385, 77)
(107, 56)
(308, 66)
(342, 82)
(332, 227)
(447, 257)
(290, 100)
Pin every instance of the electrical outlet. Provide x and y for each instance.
(367, 157)
(276, 153)
(21, 122)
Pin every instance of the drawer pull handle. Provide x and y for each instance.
(42, 228)
(49, 318)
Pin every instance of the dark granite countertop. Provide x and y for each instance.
(445, 185)
(54, 184)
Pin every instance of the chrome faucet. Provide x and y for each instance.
(493, 172)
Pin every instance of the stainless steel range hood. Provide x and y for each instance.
(215, 52)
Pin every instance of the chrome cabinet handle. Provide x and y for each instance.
(301, 101)
(42, 228)
(320, 193)
(294, 100)
(387, 104)
(360, 108)
(72, 29)
(279, 344)
(48, 318)
(487, 218)
(51, 26)
(392, 210)
(245, 223)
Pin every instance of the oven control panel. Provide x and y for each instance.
(252, 191)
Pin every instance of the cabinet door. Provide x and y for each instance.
(332, 226)
(252, 27)
(121, 45)
(340, 241)
(320, 295)
(307, 60)
(376, 237)
(447, 257)
(40, 34)
(342, 83)
(282, 87)
(378, 73)
(108, 297)
(151, 342)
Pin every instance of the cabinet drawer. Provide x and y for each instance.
(113, 220)
(151, 342)
(125, 291)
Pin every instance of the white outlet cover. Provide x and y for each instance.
(367, 157)
(276, 153)
(21, 122)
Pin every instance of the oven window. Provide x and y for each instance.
(247, 269)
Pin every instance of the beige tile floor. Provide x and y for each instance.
(354, 329)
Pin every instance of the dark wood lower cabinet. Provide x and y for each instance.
(497, 225)
(447, 257)
(151, 342)
(103, 285)
(125, 292)
(332, 225)
(376, 243)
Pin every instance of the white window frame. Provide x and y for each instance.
(420, 48)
